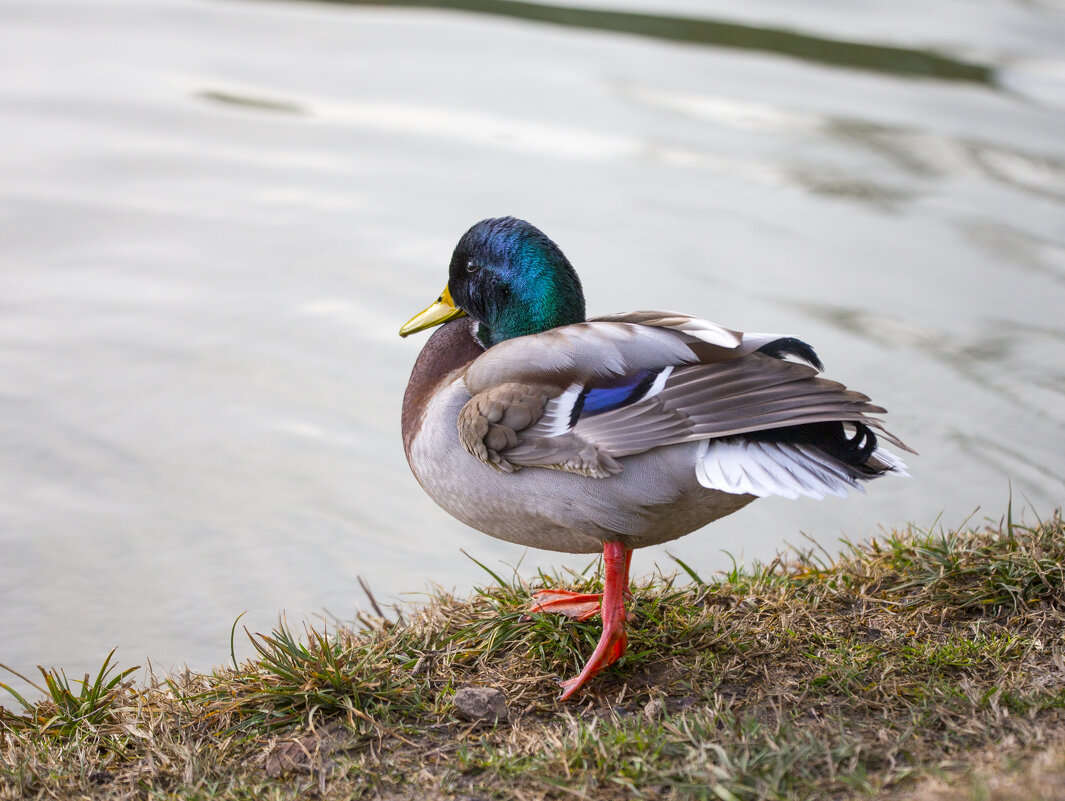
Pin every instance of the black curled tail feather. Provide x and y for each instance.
(858, 448)
(855, 451)
(790, 346)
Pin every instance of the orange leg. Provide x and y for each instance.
(612, 642)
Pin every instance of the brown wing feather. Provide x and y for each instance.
(730, 389)
(752, 393)
(705, 401)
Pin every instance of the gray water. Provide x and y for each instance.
(215, 215)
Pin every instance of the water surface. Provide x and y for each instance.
(215, 215)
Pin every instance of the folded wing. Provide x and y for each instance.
(581, 397)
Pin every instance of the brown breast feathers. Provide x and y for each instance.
(451, 347)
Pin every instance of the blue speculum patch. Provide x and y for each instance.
(622, 391)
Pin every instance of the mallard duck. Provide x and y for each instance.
(533, 424)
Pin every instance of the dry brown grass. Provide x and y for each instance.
(920, 664)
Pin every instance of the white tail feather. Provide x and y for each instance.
(893, 462)
(745, 467)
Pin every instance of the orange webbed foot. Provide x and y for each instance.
(610, 648)
(574, 605)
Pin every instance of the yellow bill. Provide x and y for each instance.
(440, 312)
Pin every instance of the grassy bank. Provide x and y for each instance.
(923, 665)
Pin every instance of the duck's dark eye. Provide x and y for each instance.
(471, 266)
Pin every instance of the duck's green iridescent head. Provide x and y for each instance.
(508, 276)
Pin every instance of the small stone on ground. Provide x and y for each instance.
(481, 703)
